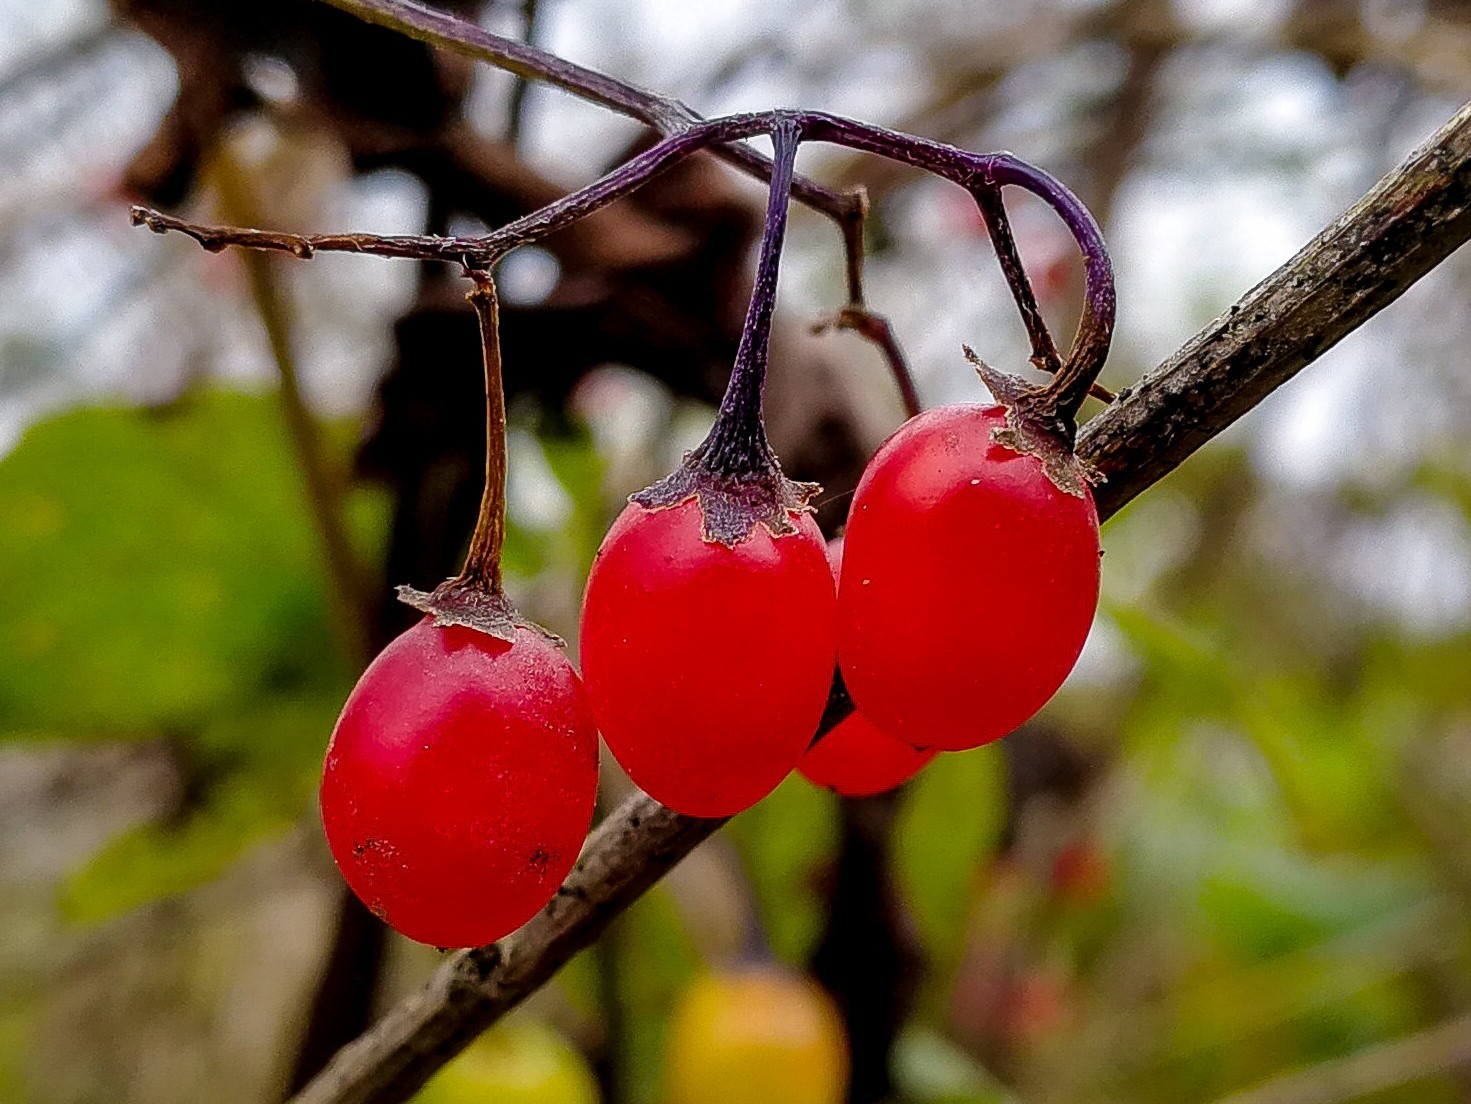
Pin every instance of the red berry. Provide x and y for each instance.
(708, 665)
(460, 782)
(855, 759)
(969, 583)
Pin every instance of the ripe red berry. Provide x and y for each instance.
(855, 759)
(460, 782)
(708, 635)
(708, 665)
(969, 582)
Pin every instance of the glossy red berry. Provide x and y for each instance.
(969, 582)
(855, 759)
(460, 782)
(708, 665)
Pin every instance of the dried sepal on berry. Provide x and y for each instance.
(734, 475)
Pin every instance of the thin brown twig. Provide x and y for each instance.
(1411, 221)
(998, 225)
(1045, 356)
(876, 330)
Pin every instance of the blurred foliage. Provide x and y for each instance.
(948, 828)
(784, 841)
(192, 613)
(521, 1061)
(162, 570)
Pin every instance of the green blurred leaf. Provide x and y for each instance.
(948, 827)
(160, 568)
(1263, 904)
(17, 1019)
(1326, 762)
(573, 458)
(653, 960)
(783, 841)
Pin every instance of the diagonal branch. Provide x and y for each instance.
(1412, 220)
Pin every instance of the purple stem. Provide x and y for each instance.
(979, 173)
(737, 444)
(665, 115)
(993, 211)
(982, 174)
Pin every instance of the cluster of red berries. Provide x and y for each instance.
(462, 775)
(966, 585)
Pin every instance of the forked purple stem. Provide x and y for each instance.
(982, 174)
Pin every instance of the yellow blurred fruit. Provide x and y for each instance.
(756, 1036)
(518, 1062)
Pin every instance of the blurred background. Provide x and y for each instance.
(1232, 861)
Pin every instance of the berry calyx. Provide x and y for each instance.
(460, 782)
(462, 774)
(855, 759)
(708, 639)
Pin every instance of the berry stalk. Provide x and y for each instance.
(737, 444)
(733, 473)
(483, 560)
(982, 174)
(475, 597)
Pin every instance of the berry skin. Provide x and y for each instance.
(756, 1036)
(969, 583)
(708, 665)
(460, 782)
(855, 759)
